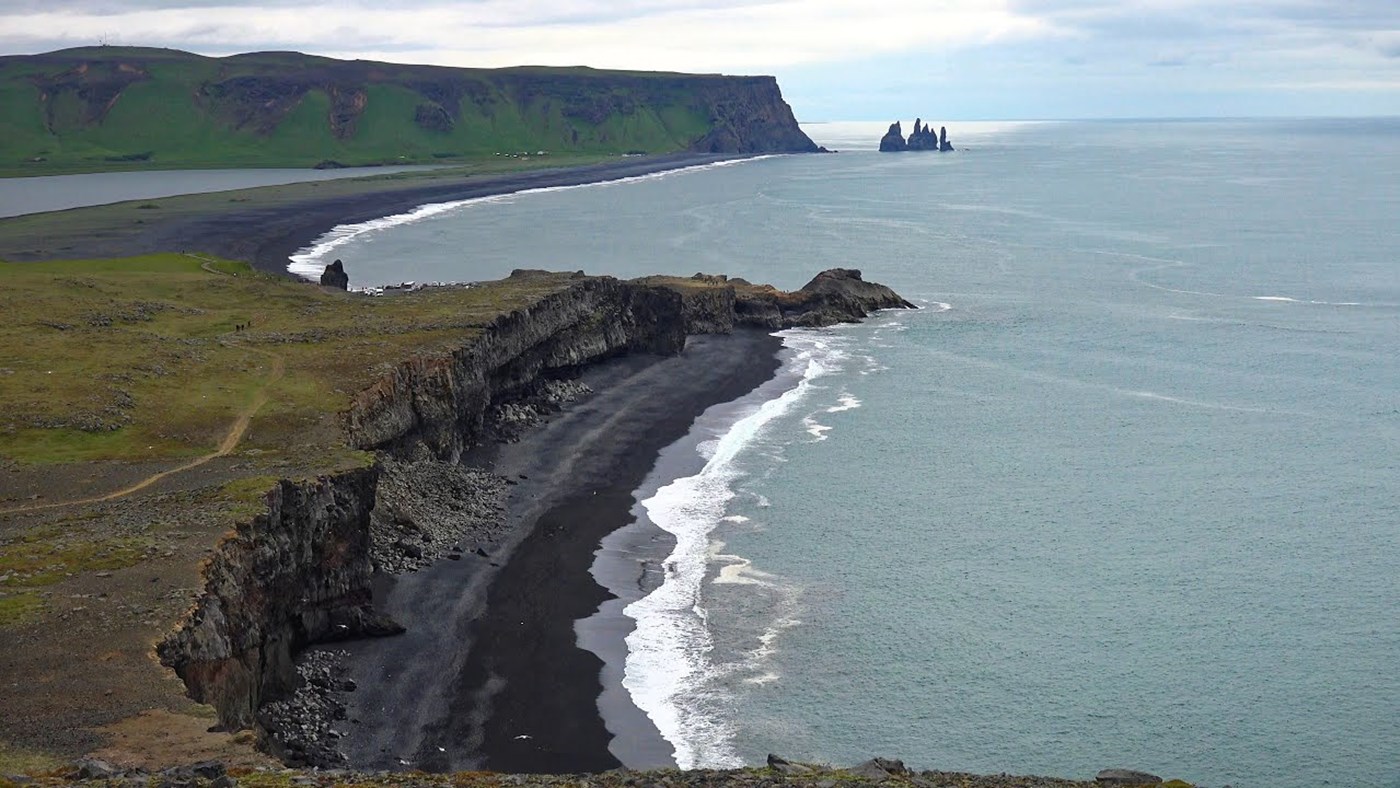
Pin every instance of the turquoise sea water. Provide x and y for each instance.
(1124, 493)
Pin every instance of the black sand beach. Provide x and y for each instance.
(488, 675)
(265, 226)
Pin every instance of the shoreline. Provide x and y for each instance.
(530, 700)
(630, 563)
(265, 226)
(273, 254)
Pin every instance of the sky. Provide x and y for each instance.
(835, 59)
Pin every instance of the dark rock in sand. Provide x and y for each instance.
(893, 140)
(1126, 777)
(335, 276)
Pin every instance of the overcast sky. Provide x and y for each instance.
(835, 59)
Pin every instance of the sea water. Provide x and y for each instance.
(1123, 492)
(36, 194)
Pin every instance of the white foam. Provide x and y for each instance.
(1287, 300)
(308, 262)
(668, 668)
(845, 403)
(817, 431)
(1198, 403)
(737, 519)
(736, 570)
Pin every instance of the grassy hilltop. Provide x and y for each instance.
(101, 108)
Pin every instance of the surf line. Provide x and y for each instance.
(306, 262)
(667, 664)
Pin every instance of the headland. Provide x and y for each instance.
(230, 466)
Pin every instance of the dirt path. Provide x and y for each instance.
(205, 263)
(230, 441)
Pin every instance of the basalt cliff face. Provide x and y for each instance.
(300, 573)
(103, 107)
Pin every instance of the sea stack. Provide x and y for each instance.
(893, 139)
(921, 138)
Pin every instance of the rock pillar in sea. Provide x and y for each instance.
(894, 139)
(921, 138)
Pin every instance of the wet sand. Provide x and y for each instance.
(489, 674)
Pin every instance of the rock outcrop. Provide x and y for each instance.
(921, 138)
(435, 408)
(717, 304)
(296, 575)
(749, 115)
(893, 141)
(334, 276)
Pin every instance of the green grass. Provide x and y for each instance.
(17, 609)
(138, 358)
(170, 113)
(15, 760)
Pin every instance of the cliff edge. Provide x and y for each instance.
(129, 107)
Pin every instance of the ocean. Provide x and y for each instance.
(1122, 493)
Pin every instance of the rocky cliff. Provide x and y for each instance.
(300, 573)
(436, 407)
(716, 304)
(103, 107)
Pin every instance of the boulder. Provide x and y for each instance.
(96, 769)
(784, 766)
(1126, 777)
(879, 769)
(335, 276)
(893, 140)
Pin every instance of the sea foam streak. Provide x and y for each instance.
(668, 667)
(307, 262)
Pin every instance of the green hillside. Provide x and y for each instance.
(103, 108)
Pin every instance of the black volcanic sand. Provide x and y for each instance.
(489, 675)
(265, 226)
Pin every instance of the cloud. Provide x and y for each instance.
(1084, 57)
(653, 34)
